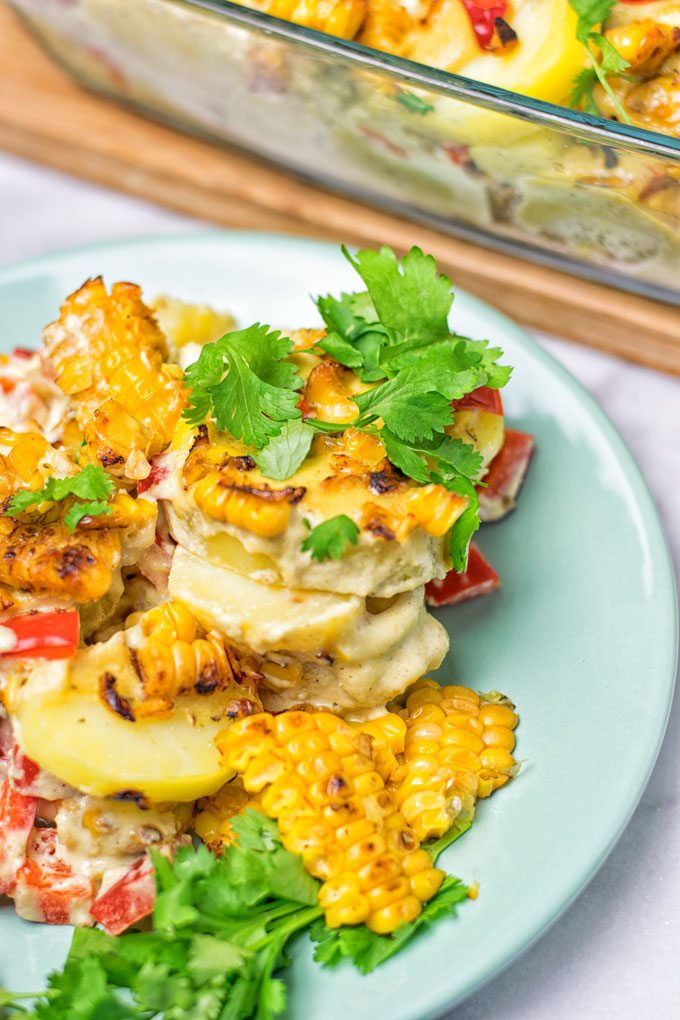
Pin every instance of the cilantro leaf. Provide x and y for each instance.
(355, 335)
(451, 463)
(368, 950)
(92, 508)
(413, 102)
(412, 300)
(591, 14)
(328, 541)
(466, 525)
(92, 484)
(247, 382)
(406, 406)
(283, 454)
(582, 91)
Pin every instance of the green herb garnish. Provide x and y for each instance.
(413, 102)
(394, 335)
(246, 382)
(592, 13)
(328, 541)
(91, 487)
(221, 931)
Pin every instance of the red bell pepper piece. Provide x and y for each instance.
(17, 817)
(505, 476)
(25, 771)
(479, 579)
(128, 900)
(483, 14)
(484, 398)
(47, 889)
(50, 635)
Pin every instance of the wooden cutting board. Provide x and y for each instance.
(46, 117)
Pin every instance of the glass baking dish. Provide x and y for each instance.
(590, 196)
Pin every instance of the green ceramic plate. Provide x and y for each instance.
(582, 635)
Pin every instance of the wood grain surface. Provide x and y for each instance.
(47, 118)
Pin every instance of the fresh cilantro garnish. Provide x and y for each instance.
(592, 13)
(246, 382)
(413, 102)
(328, 541)
(221, 930)
(283, 454)
(394, 334)
(355, 335)
(367, 950)
(92, 487)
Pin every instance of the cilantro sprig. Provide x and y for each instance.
(591, 14)
(246, 382)
(219, 941)
(395, 336)
(90, 489)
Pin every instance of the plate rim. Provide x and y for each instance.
(439, 999)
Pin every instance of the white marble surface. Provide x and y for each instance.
(614, 954)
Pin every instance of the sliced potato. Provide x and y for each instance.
(64, 724)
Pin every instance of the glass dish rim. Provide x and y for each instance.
(454, 86)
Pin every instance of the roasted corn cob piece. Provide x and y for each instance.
(386, 26)
(108, 356)
(174, 654)
(342, 18)
(458, 747)
(224, 491)
(47, 558)
(316, 775)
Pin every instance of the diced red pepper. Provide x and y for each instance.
(127, 901)
(484, 398)
(479, 579)
(483, 14)
(22, 352)
(50, 635)
(46, 887)
(7, 385)
(17, 817)
(505, 476)
(25, 771)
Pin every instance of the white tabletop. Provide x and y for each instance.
(614, 955)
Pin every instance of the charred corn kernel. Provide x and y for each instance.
(388, 733)
(434, 508)
(329, 390)
(386, 26)
(47, 558)
(457, 747)
(390, 918)
(173, 654)
(171, 621)
(264, 512)
(109, 358)
(644, 44)
(333, 809)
